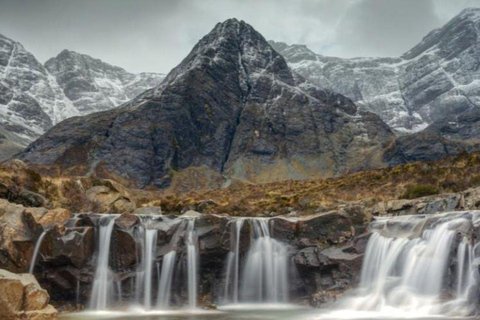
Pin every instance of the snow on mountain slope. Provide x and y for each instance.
(435, 79)
(93, 85)
(30, 99)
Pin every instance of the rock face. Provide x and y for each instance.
(21, 297)
(30, 99)
(93, 85)
(435, 79)
(233, 107)
(34, 97)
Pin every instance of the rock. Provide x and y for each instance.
(123, 249)
(11, 295)
(358, 215)
(5, 192)
(311, 257)
(41, 219)
(284, 229)
(148, 211)
(80, 75)
(215, 114)
(15, 238)
(30, 199)
(330, 227)
(126, 221)
(210, 231)
(110, 199)
(409, 92)
(71, 246)
(21, 297)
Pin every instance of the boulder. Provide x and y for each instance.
(330, 227)
(284, 229)
(15, 238)
(110, 198)
(31, 199)
(70, 246)
(41, 219)
(21, 297)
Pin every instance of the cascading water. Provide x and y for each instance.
(192, 264)
(36, 250)
(102, 284)
(407, 266)
(264, 277)
(233, 263)
(150, 245)
(165, 283)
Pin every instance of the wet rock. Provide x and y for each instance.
(284, 229)
(126, 221)
(68, 246)
(41, 219)
(209, 230)
(123, 249)
(311, 257)
(330, 227)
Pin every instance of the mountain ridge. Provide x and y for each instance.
(32, 100)
(434, 79)
(231, 107)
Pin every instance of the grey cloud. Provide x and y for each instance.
(148, 35)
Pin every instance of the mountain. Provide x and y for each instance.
(34, 97)
(232, 109)
(437, 78)
(30, 99)
(93, 85)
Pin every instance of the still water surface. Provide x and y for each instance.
(248, 312)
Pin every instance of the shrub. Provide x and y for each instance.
(417, 191)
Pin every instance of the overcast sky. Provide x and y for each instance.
(148, 35)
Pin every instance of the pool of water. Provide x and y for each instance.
(247, 312)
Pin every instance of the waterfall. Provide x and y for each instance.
(150, 246)
(406, 266)
(165, 283)
(36, 250)
(192, 264)
(233, 262)
(264, 277)
(101, 291)
(465, 275)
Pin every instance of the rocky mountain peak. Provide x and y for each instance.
(234, 44)
(459, 34)
(93, 85)
(232, 109)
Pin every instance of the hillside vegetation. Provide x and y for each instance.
(408, 181)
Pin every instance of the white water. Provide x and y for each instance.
(150, 246)
(264, 276)
(233, 263)
(403, 273)
(102, 284)
(35, 251)
(165, 283)
(192, 264)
